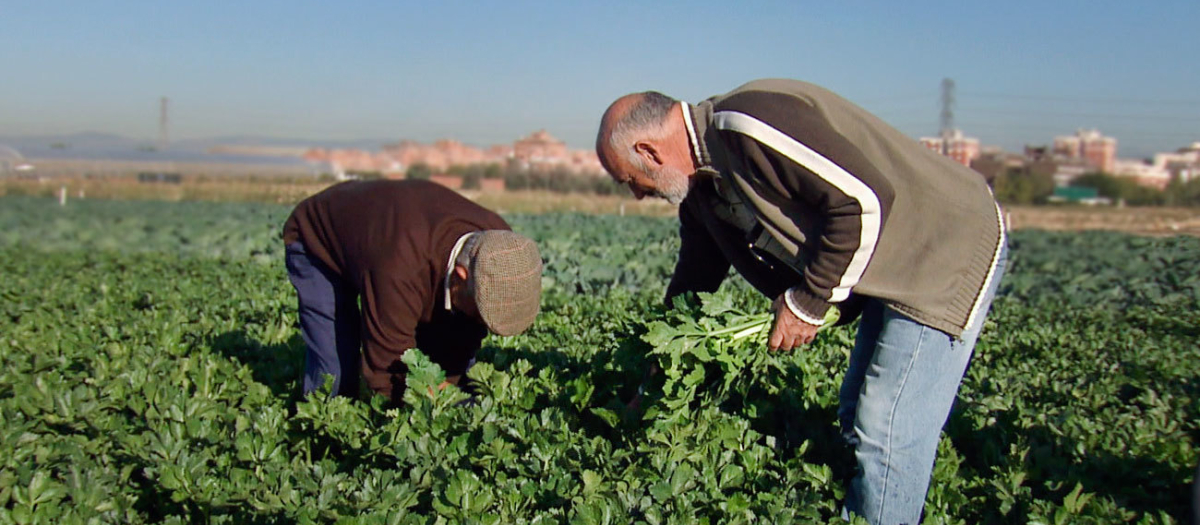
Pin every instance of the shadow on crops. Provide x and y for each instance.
(793, 422)
(502, 359)
(563, 366)
(1056, 463)
(1181, 326)
(278, 366)
(613, 373)
(157, 503)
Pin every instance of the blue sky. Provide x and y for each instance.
(490, 72)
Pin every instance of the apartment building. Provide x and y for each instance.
(955, 145)
(1089, 147)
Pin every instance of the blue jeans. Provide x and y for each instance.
(329, 322)
(894, 400)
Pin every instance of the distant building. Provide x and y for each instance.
(955, 145)
(491, 185)
(993, 162)
(538, 150)
(1143, 173)
(1085, 152)
(1082, 195)
(541, 150)
(539, 147)
(1066, 172)
(1073, 156)
(343, 163)
(1089, 146)
(1183, 165)
(439, 156)
(453, 182)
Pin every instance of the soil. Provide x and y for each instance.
(1141, 221)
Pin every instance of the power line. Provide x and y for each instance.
(968, 124)
(1123, 100)
(897, 98)
(1059, 129)
(992, 111)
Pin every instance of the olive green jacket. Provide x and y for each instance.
(849, 203)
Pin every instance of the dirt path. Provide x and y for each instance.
(1141, 221)
(281, 190)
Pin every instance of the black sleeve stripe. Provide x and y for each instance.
(827, 170)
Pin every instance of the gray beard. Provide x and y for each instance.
(673, 185)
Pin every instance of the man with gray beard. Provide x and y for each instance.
(820, 205)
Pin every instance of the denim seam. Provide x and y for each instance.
(892, 420)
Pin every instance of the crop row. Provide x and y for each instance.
(150, 374)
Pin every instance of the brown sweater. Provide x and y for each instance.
(390, 242)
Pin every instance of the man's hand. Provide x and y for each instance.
(450, 380)
(636, 403)
(789, 331)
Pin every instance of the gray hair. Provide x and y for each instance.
(646, 118)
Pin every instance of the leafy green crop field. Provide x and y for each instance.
(149, 367)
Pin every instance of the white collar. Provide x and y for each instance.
(450, 263)
(693, 141)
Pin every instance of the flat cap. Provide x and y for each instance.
(507, 271)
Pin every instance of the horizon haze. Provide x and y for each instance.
(361, 71)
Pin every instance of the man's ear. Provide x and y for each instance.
(461, 272)
(649, 151)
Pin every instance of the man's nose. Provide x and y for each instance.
(637, 192)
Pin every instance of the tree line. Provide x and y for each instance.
(1018, 186)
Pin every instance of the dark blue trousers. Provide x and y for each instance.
(329, 322)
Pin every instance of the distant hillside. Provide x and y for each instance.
(97, 144)
(30, 146)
